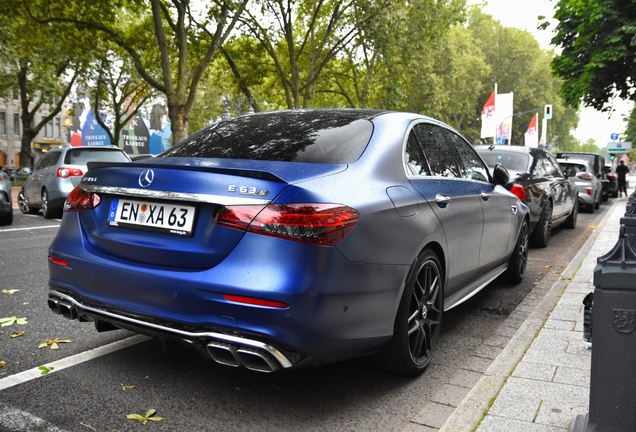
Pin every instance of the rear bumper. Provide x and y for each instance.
(337, 308)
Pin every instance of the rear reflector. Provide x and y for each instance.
(519, 191)
(255, 301)
(58, 261)
(79, 199)
(323, 224)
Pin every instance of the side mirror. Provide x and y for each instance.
(500, 174)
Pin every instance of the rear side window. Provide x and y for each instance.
(298, 136)
(84, 155)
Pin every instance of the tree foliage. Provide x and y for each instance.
(598, 46)
(171, 43)
(39, 67)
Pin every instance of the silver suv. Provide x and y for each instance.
(57, 174)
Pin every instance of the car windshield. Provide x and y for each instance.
(518, 162)
(298, 136)
(82, 156)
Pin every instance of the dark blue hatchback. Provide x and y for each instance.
(291, 238)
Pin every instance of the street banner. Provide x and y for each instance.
(503, 117)
(532, 133)
(488, 122)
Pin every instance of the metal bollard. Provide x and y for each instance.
(613, 375)
(629, 220)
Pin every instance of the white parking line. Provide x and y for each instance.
(73, 360)
(30, 228)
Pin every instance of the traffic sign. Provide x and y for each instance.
(614, 137)
(619, 147)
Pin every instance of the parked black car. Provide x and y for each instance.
(10, 172)
(598, 165)
(550, 197)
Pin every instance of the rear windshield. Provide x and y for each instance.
(512, 161)
(573, 169)
(84, 155)
(300, 136)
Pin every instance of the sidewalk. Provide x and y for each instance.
(540, 380)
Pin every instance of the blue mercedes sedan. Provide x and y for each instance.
(291, 238)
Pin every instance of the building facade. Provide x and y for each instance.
(51, 135)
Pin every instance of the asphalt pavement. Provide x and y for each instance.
(540, 380)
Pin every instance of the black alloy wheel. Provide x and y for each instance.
(419, 319)
(541, 233)
(519, 258)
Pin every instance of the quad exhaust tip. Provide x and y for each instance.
(64, 308)
(223, 349)
(250, 358)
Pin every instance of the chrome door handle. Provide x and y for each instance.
(484, 195)
(442, 200)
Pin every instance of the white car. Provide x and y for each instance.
(589, 186)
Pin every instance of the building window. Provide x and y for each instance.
(3, 123)
(49, 130)
(16, 124)
(56, 131)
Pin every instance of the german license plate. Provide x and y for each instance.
(150, 216)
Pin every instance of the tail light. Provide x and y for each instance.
(611, 176)
(519, 191)
(323, 224)
(585, 176)
(68, 172)
(79, 199)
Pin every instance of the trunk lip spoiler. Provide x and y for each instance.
(175, 196)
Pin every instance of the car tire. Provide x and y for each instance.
(47, 209)
(419, 319)
(6, 219)
(519, 258)
(542, 231)
(570, 222)
(24, 204)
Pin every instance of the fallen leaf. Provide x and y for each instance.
(12, 320)
(45, 369)
(150, 415)
(25, 304)
(126, 387)
(10, 292)
(3, 363)
(548, 266)
(53, 343)
(16, 334)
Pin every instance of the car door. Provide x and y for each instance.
(561, 187)
(33, 186)
(497, 205)
(452, 198)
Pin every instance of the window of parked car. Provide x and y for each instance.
(441, 155)
(416, 164)
(300, 136)
(474, 167)
(48, 160)
(82, 156)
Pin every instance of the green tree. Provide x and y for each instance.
(519, 65)
(39, 68)
(170, 43)
(116, 92)
(596, 40)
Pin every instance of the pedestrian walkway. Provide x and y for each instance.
(540, 380)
